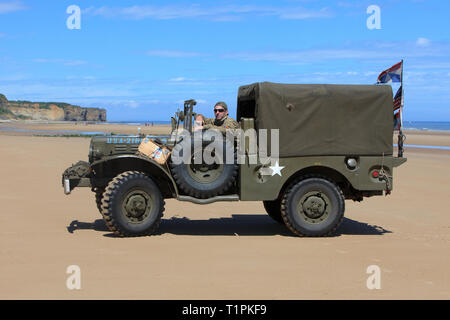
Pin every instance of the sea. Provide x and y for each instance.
(427, 125)
(407, 125)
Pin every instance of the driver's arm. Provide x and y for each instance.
(205, 120)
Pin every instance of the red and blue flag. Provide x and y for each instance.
(398, 99)
(397, 122)
(393, 74)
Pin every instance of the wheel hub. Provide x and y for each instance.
(203, 172)
(314, 207)
(136, 206)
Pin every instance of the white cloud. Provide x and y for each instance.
(132, 104)
(75, 63)
(14, 77)
(11, 6)
(364, 52)
(178, 79)
(429, 65)
(423, 42)
(346, 4)
(224, 13)
(77, 78)
(172, 54)
(70, 63)
(370, 52)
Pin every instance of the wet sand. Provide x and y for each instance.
(221, 250)
(66, 127)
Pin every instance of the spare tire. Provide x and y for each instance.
(204, 180)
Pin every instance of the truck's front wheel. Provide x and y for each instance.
(98, 197)
(132, 205)
(313, 207)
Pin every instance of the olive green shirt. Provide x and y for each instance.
(221, 125)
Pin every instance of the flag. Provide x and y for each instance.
(393, 74)
(397, 120)
(398, 99)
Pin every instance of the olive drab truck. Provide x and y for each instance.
(335, 143)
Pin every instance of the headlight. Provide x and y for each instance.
(352, 163)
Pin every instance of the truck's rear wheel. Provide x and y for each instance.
(273, 209)
(132, 205)
(313, 207)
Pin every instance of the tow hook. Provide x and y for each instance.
(383, 176)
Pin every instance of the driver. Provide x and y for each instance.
(221, 122)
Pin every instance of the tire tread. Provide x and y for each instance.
(287, 194)
(106, 206)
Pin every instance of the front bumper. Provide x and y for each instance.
(77, 175)
(70, 184)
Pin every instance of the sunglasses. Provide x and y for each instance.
(219, 110)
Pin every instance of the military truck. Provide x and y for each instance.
(335, 143)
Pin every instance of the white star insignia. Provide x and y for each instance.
(276, 169)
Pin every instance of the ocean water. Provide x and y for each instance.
(411, 125)
(138, 123)
(427, 125)
(82, 133)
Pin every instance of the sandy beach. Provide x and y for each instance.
(221, 250)
(10, 128)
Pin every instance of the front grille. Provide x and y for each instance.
(126, 148)
(121, 148)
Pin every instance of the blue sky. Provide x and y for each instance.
(141, 59)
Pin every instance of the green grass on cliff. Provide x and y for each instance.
(6, 114)
(42, 105)
(22, 117)
(5, 111)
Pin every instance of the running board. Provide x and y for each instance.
(231, 197)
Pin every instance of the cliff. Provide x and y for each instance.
(52, 111)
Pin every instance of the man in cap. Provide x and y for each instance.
(221, 122)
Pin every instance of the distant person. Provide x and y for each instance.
(221, 122)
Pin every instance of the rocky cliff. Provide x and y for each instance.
(52, 111)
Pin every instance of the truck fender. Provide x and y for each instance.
(111, 166)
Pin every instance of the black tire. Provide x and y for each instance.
(273, 209)
(205, 181)
(313, 207)
(132, 205)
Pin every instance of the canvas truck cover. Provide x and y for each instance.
(322, 119)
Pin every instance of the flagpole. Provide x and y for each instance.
(400, 133)
(401, 104)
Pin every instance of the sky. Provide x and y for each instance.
(141, 59)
